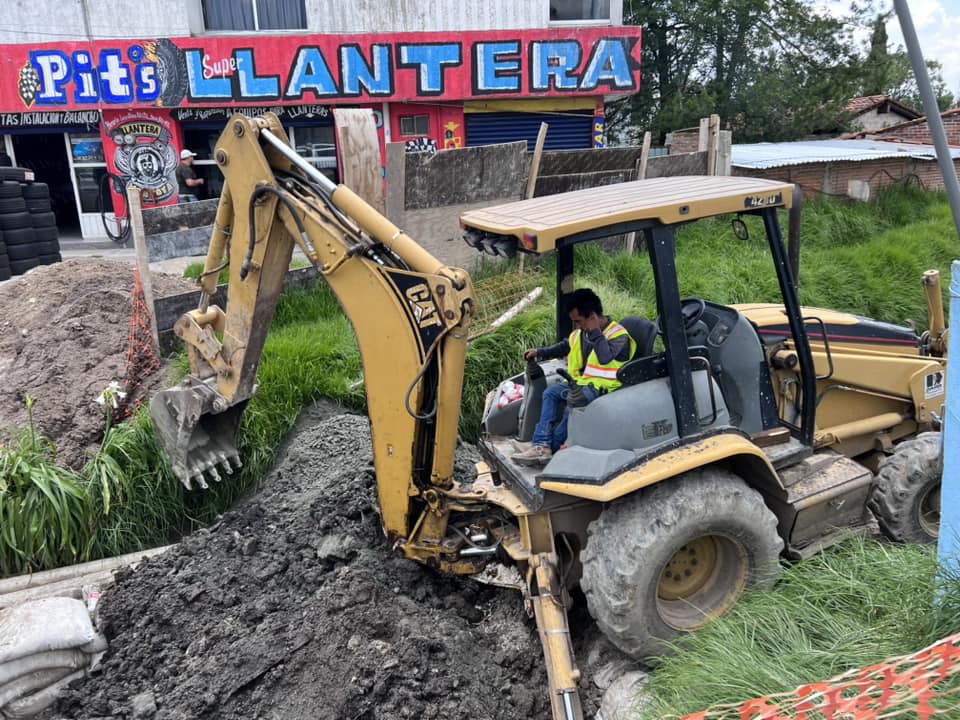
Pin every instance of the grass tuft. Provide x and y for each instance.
(847, 608)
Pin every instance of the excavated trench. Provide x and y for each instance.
(293, 606)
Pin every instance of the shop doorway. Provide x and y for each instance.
(46, 155)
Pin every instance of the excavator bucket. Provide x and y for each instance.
(198, 431)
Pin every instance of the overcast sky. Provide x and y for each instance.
(938, 29)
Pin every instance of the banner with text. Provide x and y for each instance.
(323, 69)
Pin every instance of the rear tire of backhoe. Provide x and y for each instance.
(664, 561)
(905, 497)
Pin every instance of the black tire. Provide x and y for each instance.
(19, 267)
(11, 221)
(707, 523)
(4, 260)
(46, 234)
(49, 259)
(19, 236)
(36, 191)
(5, 273)
(10, 189)
(23, 252)
(44, 220)
(39, 205)
(13, 205)
(48, 248)
(12, 173)
(905, 497)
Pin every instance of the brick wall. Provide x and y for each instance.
(833, 178)
(918, 131)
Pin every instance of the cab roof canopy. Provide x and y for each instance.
(536, 225)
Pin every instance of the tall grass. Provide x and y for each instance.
(847, 608)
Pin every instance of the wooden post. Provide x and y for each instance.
(644, 156)
(713, 132)
(639, 173)
(396, 183)
(535, 170)
(135, 211)
(535, 162)
(725, 153)
(703, 138)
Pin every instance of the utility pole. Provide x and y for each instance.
(934, 121)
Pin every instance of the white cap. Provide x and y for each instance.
(184, 154)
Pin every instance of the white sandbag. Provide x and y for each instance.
(31, 705)
(30, 683)
(43, 625)
(73, 659)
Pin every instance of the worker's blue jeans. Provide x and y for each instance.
(551, 430)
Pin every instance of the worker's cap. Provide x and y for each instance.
(184, 154)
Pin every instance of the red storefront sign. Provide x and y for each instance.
(327, 69)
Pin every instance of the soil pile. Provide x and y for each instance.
(293, 606)
(64, 331)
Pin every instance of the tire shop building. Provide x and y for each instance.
(97, 93)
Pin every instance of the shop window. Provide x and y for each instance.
(414, 125)
(318, 146)
(578, 10)
(253, 15)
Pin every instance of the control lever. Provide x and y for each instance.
(575, 396)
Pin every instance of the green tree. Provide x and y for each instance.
(889, 72)
(772, 71)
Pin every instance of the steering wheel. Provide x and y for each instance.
(692, 310)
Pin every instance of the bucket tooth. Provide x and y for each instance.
(195, 437)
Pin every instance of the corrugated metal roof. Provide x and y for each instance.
(761, 156)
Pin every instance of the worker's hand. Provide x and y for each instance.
(530, 354)
(593, 323)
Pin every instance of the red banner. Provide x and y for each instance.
(140, 147)
(221, 71)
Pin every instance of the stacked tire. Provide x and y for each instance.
(16, 223)
(37, 197)
(5, 272)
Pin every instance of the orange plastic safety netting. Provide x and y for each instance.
(923, 685)
(142, 358)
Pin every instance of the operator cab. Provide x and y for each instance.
(712, 374)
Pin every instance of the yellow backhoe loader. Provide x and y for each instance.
(742, 434)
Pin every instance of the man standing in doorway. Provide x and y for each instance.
(190, 186)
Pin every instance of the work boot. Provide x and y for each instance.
(532, 456)
(520, 445)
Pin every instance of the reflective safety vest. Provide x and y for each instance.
(602, 377)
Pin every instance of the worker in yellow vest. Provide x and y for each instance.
(595, 350)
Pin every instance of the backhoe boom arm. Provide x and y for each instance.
(410, 314)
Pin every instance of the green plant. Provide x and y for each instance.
(44, 511)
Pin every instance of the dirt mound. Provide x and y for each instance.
(64, 330)
(293, 606)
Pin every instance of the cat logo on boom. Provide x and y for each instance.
(424, 309)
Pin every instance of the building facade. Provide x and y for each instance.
(95, 93)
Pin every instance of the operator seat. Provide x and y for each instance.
(643, 332)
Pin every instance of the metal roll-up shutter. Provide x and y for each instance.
(569, 130)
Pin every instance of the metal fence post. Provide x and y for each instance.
(949, 543)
